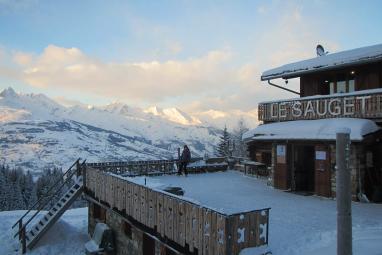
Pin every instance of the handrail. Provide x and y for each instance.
(31, 208)
(47, 199)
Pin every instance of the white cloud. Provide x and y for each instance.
(71, 69)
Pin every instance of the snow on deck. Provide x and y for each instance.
(334, 60)
(322, 129)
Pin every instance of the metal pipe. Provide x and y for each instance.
(280, 87)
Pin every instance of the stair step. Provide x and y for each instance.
(51, 216)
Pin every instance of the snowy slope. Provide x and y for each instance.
(35, 132)
(66, 237)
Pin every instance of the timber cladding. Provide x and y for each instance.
(187, 224)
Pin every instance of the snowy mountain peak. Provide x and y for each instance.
(154, 110)
(8, 92)
(173, 115)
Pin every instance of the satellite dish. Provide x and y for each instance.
(320, 50)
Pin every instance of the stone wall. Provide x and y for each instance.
(126, 242)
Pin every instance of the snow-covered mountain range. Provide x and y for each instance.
(38, 132)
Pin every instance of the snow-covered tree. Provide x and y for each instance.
(223, 146)
(3, 197)
(240, 148)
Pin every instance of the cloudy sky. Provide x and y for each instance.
(204, 57)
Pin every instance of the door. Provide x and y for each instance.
(281, 170)
(148, 245)
(322, 171)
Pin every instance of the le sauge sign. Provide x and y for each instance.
(361, 106)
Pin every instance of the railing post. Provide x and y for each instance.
(343, 193)
(20, 226)
(23, 241)
(78, 167)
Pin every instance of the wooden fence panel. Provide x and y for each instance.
(221, 237)
(160, 214)
(201, 230)
(181, 223)
(213, 233)
(195, 226)
(188, 208)
(206, 232)
(143, 207)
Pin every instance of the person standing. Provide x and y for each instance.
(184, 160)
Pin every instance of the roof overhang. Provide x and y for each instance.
(312, 130)
(339, 60)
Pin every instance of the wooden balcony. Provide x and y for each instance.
(171, 217)
(366, 104)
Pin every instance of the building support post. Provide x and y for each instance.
(343, 193)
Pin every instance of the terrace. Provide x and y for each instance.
(208, 222)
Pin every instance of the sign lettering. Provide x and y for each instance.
(345, 106)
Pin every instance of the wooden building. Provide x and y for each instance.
(297, 136)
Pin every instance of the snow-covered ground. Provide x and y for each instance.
(66, 237)
(298, 224)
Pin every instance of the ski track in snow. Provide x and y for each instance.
(298, 224)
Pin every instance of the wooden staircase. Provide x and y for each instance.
(30, 236)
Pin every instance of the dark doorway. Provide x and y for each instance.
(303, 168)
(372, 179)
(148, 245)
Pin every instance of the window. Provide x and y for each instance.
(332, 88)
(341, 83)
(351, 85)
(99, 213)
(341, 87)
(127, 229)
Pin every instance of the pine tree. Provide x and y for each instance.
(29, 192)
(223, 146)
(240, 148)
(3, 198)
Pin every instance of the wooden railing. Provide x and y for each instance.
(360, 104)
(184, 222)
(138, 168)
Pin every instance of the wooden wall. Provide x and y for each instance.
(367, 76)
(201, 228)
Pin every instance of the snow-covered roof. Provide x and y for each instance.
(323, 129)
(330, 61)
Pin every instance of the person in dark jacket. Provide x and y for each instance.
(184, 160)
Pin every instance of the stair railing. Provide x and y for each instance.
(66, 177)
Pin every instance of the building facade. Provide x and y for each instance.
(297, 136)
